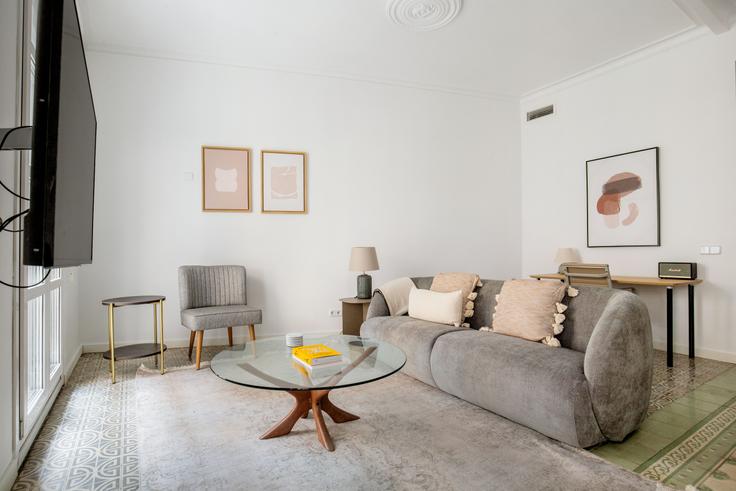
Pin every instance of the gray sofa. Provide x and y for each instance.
(595, 388)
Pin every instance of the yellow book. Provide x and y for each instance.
(315, 354)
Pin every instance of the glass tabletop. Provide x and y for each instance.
(267, 363)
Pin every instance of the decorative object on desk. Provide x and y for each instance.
(283, 182)
(623, 199)
(566, 255)
(294, 339)
(678, 271)
(531, 310)
(364, 259)
(226, 180)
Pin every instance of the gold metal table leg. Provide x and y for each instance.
(155, 329)
(111, 334)
(161, 326)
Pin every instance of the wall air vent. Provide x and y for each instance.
(540, 113)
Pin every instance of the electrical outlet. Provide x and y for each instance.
(335, 312)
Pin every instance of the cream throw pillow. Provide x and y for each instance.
(442, 308)
(466, 282)
(530, 309)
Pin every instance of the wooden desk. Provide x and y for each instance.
(668, 285)
(354, 311)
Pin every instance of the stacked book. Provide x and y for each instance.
(315, 356)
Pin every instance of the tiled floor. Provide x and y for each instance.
(690, 434)
(89, 440)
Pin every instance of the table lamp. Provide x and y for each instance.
(567, 255)
(364, 259)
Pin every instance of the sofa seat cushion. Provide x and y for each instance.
(526, 382)
(415, 338)
(220, 316)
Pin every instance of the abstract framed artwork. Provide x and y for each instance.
(283, 182)
(226, 179)
(622, 194)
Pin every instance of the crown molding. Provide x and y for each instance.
(187, 58)
(687, 35)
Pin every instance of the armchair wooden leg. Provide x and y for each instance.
(191, 343)
(200, 337)
(230, 335)
(252, 330)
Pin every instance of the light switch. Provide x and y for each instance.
(704, 250)
(188, 176)
(715, 249)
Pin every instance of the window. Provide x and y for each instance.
(40, 352)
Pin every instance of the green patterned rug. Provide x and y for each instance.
(704, 456)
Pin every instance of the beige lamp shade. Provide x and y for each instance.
(363, 259)
(567, 255)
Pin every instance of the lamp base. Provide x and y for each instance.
(365, 286)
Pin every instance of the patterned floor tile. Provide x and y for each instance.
(89, 439)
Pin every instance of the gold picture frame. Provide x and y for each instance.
(219, 200)
(288, 203)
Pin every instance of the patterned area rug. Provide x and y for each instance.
(90, 438)
(202, 432)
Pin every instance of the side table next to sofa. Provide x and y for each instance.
(140, 350)
(354, 311)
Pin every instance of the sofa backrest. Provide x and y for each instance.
(581, 316)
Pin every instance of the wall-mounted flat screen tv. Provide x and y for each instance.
(58, 226)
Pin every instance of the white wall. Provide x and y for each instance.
(8, 60)
(680, 99)
(431, 179)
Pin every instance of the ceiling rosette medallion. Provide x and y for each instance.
(423, 15)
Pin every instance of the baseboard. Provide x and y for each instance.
(699, 352)
(75, 359)
(9, 475)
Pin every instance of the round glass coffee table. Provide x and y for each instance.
(267, 364)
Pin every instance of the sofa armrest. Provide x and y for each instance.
(378, 306)
(618, 365)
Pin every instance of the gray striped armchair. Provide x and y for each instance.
(214, 297)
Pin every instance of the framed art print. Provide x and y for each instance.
(623, 199)
(283, 182)
(226, 181)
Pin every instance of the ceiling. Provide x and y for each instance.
(492, 48)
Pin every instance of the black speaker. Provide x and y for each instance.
(678, 271)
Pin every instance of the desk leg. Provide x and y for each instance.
(111, 337)
(669, 328)
(691, 320)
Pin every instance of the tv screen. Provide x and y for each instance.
(58, 226)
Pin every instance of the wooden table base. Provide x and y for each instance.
(319, 402)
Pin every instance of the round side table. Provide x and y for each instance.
(141, 350)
